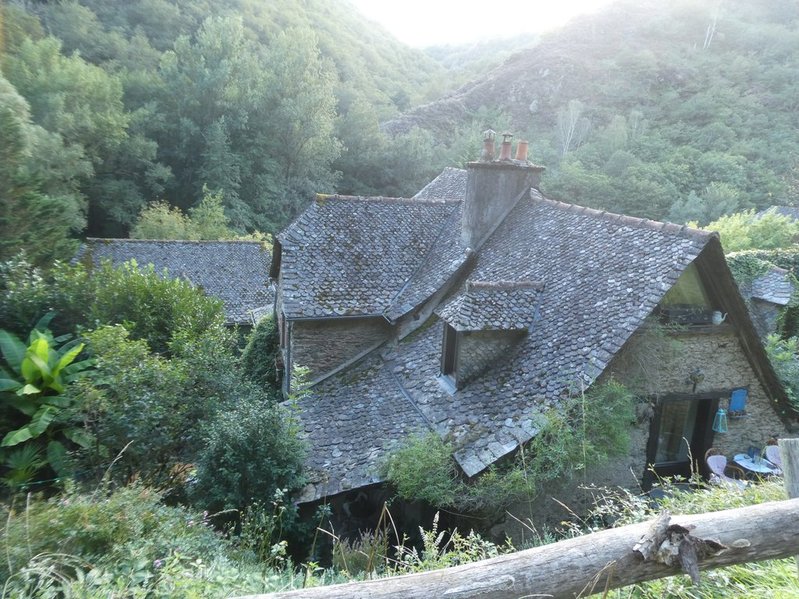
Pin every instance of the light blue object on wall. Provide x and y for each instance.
(720, 421)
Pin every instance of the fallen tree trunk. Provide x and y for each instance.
(592, 563)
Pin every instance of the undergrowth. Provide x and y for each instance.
(774, 578)
(585, 429)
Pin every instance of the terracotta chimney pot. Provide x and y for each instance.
(504, 152)
(521, 150)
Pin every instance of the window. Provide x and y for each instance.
(687, 302)
(450, 352)
(680, 434)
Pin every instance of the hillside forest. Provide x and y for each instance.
(105, 109)
(147, 449)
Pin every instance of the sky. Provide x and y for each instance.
(423, 23)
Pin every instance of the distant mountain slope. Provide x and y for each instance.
(651, 104)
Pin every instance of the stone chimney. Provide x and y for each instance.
(494, 186)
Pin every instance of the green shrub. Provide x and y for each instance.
(422, 469)
(784, 357)
(151, 306)
(746, 230)
(128, 527)
(27, 293)
(249, 452)
(258, 358)
(123, 544)
(138, 398)
(586, 429)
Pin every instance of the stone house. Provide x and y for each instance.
(767, 295)
(235, 272)
(479, 304)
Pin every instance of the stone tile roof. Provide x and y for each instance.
(446, 256)
(789, 211)
(351, 256)
(603, 273)
(774, 287)
(496, 306)
(349, 424)
(451, 183)
(237, 272)
(598, 276)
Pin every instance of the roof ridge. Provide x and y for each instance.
(503, 285)
(385, 199)
(630, 221)
(114, 239)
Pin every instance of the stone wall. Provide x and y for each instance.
(718, 354)
(653, 363)
(324, 345)
(765, 316)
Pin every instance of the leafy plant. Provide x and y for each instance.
(422, 469)
(258, 357)
(444, 549)
(587, 428)
(746, 230)
(249, 452)
(784, 357)
(128, 532)
(34, 385)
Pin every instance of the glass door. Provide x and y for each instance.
(680, 434)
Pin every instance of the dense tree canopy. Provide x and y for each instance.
(106, 108)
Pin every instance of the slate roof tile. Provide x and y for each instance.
(598, 276)
(775, 287)
(236, 272)
(451, 183)
(350, 422)
(350, 256)
(498, 306)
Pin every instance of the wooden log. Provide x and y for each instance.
(789, 452)
(592, 563)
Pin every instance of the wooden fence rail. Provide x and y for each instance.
(603, 560)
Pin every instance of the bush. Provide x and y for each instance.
(124, 544)
(258, 358)
(784, 357)
(130, 526)
(248, 454)
(422, 469)
(586, 429)
(27, 293)
(137, 397)
(746, 230)
(151, 306)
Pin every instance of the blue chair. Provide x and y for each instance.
(738, 402)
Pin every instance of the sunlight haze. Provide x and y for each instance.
(423, 23)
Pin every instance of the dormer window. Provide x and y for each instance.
(483, 324)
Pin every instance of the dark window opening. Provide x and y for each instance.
(680, 434)
(449, 353)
